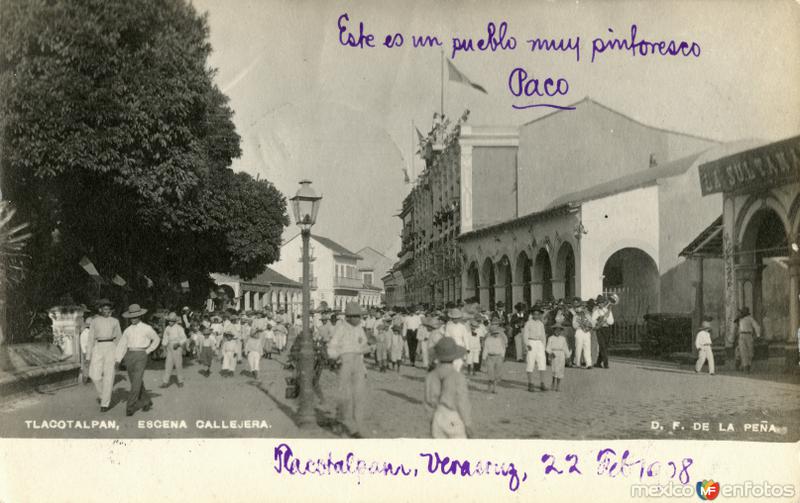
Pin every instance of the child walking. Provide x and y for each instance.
(558, 348)
(397, 345)
(494, 351)
(230, 348)
(253, 348)
(703, 344)
(446, 392)
(383, 336)
(206, 346)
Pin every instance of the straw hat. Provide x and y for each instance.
(134, 311)
(353, 309)
(455, 314)
(447, 350)
(172, 317)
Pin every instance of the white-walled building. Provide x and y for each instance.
(335, 276)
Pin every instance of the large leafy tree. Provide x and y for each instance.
(116, 144)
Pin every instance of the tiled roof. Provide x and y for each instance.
(336, 247)
(272, 277)
(641, 178)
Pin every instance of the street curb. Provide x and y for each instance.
(31, 379)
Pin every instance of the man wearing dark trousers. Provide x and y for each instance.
(411, 324)
(137, 342)
(603, 318)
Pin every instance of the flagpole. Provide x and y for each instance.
(441, 109)
(413, 129)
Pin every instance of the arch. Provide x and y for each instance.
(542, 276)
(473, 280)
(761, 276)
(632, 274)
(522, 273)
(753, 206)
(488, 281)
(565, 269)
(504, 281)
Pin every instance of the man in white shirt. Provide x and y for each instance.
(136, 343)
(535, 341)
(747, 328)
(455, 329)
(103, 335)
(411, 324)
(703, 345)
(84, 345)
(583, 324)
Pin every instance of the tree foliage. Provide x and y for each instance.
(116, 144)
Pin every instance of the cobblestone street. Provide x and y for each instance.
(621, 402)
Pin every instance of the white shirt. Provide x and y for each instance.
(703, 339)
(138, 336)
(411, 322)
(458, 332)
(534, 331)
(85, 341)
(748, 324)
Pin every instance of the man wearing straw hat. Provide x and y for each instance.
(455, 329)
(349, 343)
(137, 342)
(104, 332)
(173, 342)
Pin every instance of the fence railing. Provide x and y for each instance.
(623, 332)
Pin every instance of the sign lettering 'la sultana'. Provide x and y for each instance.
(778, 165)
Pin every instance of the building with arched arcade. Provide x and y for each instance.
(269, 290)
(756, 237)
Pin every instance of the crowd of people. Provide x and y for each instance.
(227, 337)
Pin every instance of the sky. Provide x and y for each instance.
(308, 107)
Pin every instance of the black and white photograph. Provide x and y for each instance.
(393, 220)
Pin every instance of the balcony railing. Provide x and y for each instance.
(343, 282)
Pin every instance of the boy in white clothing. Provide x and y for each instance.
(703, 345)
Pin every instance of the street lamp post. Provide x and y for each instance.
(305, 205)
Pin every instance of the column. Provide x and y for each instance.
(697, 315)
(484, 296)
(517, 293)
(466, 188)
(559, 288)
(794, 311)
(537, 291)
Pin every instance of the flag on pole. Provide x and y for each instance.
(89, 267)
(117, 280)
(456, 76)
(420, 136)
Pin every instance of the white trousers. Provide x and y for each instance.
(229, 360)
(703, 354)
(101, 370)
(254, 358)
(583, 346)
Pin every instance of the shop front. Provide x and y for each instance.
(757, 237)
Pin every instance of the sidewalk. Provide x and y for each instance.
(26, 366)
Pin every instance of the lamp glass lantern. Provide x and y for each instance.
(305, 205)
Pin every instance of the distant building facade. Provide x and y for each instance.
(336, 273)
(429, 267)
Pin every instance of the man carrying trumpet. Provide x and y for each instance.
(603, 320)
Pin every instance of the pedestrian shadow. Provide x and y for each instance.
(402, 396)
(323, 418)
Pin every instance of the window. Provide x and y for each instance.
(368, 278)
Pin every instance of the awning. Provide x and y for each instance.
(708, 244)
